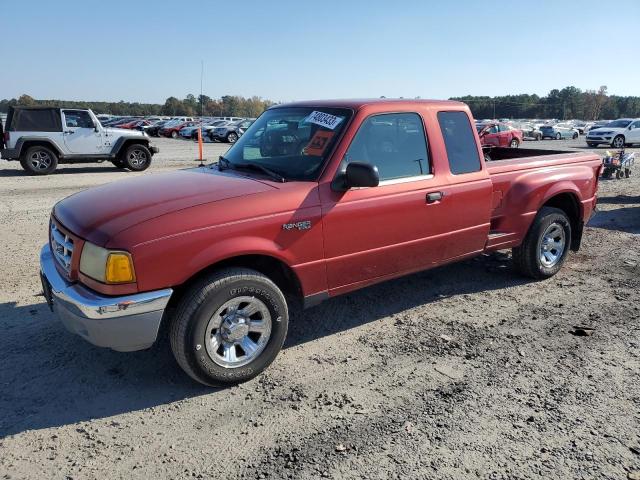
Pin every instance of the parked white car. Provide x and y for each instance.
(621, 132)
(42, 137)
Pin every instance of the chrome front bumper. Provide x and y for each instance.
(125, 323)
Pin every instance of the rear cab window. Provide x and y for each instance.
(460, 143)
(34, 120)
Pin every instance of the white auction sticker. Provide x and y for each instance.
(324, 119)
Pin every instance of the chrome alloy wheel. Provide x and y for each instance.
(137, 158)
(40, 160)
(552, 245)
(238, 332)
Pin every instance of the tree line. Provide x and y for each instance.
(568, 103)
(227, 105)
(565, 104)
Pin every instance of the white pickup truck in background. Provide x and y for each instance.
(42, 137)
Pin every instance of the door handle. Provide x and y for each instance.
(434, 197)
(68, 132)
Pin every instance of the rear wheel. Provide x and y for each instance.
(229, 327)
(575, 135)
(174, 134)
(538, 136)
(137, 158)
(514, 143)
(558, 136)
(545, 246)
(39, 160)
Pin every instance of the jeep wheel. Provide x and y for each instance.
(229, 327)
(137, 158)
(39, 160)
(546, 245)
(232, 137)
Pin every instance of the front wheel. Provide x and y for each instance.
(575, 135)
(545, 246)
(137, 158)
(229, 327)
(618, 142)
(232, 137)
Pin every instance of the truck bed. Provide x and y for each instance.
(520, 173)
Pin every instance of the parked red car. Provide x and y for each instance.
(135, 125)
(316, 199)
(499, 135)
(172, 129)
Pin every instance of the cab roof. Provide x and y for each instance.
(357, 104)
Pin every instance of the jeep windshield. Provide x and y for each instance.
(293, 142)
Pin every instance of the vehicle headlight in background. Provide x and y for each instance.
(106, 266)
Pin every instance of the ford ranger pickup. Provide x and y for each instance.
(42, 137)
(316, 199)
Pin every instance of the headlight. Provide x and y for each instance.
(106, 266)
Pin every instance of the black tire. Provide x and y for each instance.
(558, 136)
(575, 135)
(606, 173)
(627, 172)
(137, 157)
(39, 160)
(538, 137)
(514, 143)
(188, 328)
(232, 137)
(619, 174)
(118, 163)
(174, 134)
(526, 257)
(618, 141)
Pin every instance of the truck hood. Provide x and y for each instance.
(100, 213)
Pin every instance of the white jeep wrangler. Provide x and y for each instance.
(42, 137)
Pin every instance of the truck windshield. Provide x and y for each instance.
(293, 142)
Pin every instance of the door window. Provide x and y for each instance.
(78, 118)
(460, 142)
(393, 142)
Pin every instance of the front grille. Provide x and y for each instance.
(62, 247)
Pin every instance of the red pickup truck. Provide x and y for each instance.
(316, 199)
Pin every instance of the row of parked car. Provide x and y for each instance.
(224, 129)
(509, 133)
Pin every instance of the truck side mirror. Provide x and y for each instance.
(361, 174)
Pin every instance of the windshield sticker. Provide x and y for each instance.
(318, 143)
(324, 119)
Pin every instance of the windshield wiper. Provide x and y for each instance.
(257, 166)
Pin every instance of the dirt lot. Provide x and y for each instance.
(461, 372)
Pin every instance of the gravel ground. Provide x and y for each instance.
(466, 371)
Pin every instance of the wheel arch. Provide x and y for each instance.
(274, 268)
(124, 142)
(23, 144)
(568, 202)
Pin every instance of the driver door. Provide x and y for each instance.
(491, 136)
(79, 132)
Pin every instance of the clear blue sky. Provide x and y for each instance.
(289, 50)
